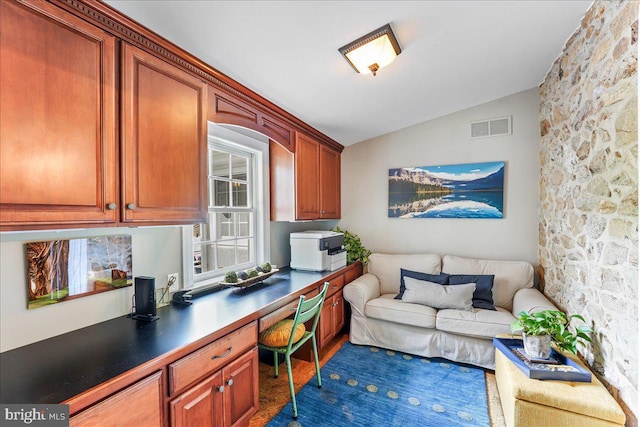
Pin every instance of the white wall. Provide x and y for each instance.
(443, 141)
(156, 253)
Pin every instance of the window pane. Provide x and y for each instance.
(220, 193)
(226, 254)
(224, 226)
(244, 224)
(239, 167)
(240, 198)
(205, 255)
(197, 259)
(219, 163)
(244, 250)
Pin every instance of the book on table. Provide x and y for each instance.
(560, 368)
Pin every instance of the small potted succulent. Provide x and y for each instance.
(539, 329)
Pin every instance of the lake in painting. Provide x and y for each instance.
(472, 190)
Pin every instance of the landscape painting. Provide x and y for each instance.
(473, 190)
(61, 270)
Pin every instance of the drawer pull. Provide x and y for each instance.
(225, 354)
(230, 382)
(111, 206)
(221, 389)
(131, 206)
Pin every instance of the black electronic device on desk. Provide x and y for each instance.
(182, 298)
(145, 299)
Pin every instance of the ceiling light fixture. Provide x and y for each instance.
(372, 51)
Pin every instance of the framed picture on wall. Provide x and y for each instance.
(62, 270)
(471, 190)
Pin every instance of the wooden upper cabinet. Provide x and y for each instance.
(58, 165)
(305, 184)
(225, 108)
(329, 183)
(307, 171)
(163, 141)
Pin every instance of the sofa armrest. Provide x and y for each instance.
(531, 300)
(360, 291)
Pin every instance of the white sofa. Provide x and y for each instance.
(380, 320)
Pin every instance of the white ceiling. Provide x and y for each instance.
(455, 54)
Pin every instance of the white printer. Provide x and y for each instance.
(317, 250)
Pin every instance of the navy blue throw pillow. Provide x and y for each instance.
(483, 296)
(435, 278)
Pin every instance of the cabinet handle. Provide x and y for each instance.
(225, 354)
(221, 389)
(111, 206)
(230, 382)
(131, 206)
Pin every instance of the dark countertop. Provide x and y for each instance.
(58, 368)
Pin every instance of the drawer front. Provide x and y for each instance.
(335, 285)
(282, 313)
(353, 273)
(278, 315)
(211, 357)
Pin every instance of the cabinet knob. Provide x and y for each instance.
(111, 206)
(230, 382)
(221, 389)
(131, 206)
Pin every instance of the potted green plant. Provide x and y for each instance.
(539, 329)
(354, 247)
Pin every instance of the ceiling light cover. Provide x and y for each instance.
(372, 51)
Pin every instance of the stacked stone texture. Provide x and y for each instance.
(588, 230)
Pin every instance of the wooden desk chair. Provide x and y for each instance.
(286, 336)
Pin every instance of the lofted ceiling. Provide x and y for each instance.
(455, 54)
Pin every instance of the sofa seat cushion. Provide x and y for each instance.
(386, 307)
(477, 323)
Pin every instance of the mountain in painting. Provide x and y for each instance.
(495, 181)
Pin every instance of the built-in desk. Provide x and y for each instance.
(112, 355)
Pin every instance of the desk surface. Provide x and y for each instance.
(56, 369)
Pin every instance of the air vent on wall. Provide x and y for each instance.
(491, 127)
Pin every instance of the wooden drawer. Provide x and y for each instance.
(139, 404)
(335, 285)
(353, 273)
(211, 357)
(283, 312)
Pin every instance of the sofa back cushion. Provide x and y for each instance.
(386, 267)
(510, 276)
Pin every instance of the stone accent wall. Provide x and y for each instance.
(588, 230)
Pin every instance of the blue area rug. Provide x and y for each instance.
(369, 386)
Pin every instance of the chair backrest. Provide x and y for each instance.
(309, 309)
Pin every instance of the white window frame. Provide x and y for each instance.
(244, 140)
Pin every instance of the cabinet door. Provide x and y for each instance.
(324, 332)
(163, 141)
(338, 313)
(307, 173)
(137, 405)
(329, 183)
(199, 406)
(57, 119)
(241, 398)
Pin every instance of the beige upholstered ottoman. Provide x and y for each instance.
(529, 402)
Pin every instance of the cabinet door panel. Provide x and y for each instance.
(338, 313)
(241, 397)
(57, 118)
(140, 404)
(163, 140)
(199, 406)
(307, 177)
(324, 331)
(329, 183)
